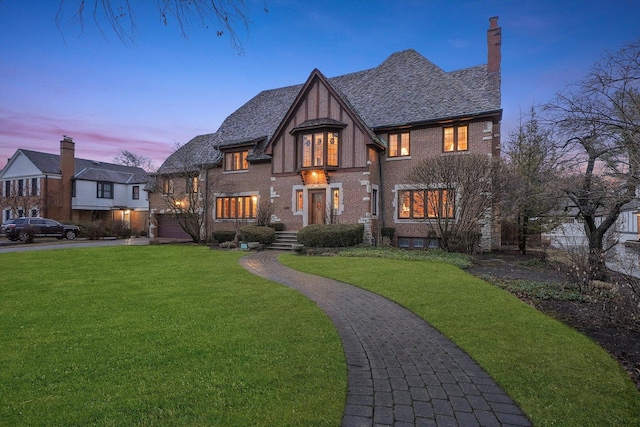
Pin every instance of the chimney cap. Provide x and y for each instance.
(67, 138)
(493, 22)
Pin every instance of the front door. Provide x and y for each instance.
(317, 208)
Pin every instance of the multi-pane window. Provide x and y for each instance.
(299, 200)
(320, 149)
(21, 187)
(456, 139)
(167, 186)
(193, 184)
(135, 192)
(34, 186)
(105, 190)
(236, 161)
(420, 204)
(237, 207)
(399, 144)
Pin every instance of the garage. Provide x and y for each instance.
(168, 226)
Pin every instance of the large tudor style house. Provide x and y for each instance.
(337, 149)
(65, 188)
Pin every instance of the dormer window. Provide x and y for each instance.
(236, 161)
(320, 149)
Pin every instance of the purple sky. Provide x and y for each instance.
(164, 90)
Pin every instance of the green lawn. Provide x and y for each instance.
(160, 335)
(557, 375)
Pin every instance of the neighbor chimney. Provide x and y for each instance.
(67, 169)
(494, 40)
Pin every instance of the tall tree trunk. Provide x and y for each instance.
(523, 229)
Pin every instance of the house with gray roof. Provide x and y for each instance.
(64, 188)
(337, 149)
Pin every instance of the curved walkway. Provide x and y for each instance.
(401, 371)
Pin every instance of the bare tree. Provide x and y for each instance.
(454, 195)
(224, 16)
(23, 199)
(533, 166)
(599, 118)
(128, 158)
(188, 190)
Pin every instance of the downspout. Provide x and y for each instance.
(381, 194)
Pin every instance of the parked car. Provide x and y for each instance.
(5, 226)
(26, 228)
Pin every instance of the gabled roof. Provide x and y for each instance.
(405, 89)
(90, 170)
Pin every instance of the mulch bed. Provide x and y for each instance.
(612, 323)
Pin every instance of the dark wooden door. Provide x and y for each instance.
(317, 209)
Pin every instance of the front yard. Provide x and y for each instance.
(160, 335)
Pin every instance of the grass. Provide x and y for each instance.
(158, 335)
(557, 375)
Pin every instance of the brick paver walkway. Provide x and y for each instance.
(401, 371)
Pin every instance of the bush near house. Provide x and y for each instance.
(223, 236)
(331, 235)
(257, 233)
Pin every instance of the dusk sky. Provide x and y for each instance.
(164, 90)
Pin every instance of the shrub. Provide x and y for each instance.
(278, 226)
(257, 233)
(388, 232)
(120, 230)
(95, 230)
(223, 236)
(331, 235)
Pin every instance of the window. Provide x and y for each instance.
(21, 187)
(193, 184)
(167, 186)
(236, 161)
(34, 212)
(34, 186)
(299, 200)
(237, 207)
(135, 192)
(73, 188)
(320, 149)
(105, 190)
(439, 204)
(335, 199)
(374, 201)
(455, 139)
(399, 144)
(7, 188)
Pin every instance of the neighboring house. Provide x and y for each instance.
(338, 149)
(64, 188)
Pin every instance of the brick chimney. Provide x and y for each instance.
(67, 169)
(494, 40)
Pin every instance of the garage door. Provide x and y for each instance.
(168, 226)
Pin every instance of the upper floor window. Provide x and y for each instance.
(399, 145)
(135, 192)
(320, 149)
(21, 187)
(34, 186)
(193, 184)
(105, 190)
(167, 186)
(455, 139)
(7, 188)
(421, 204)
(236, 161)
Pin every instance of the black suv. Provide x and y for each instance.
(27, 228)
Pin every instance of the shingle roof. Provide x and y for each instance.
(200, 150)
(405, 89)
(89, 170)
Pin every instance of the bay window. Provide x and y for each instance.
(320, 149)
